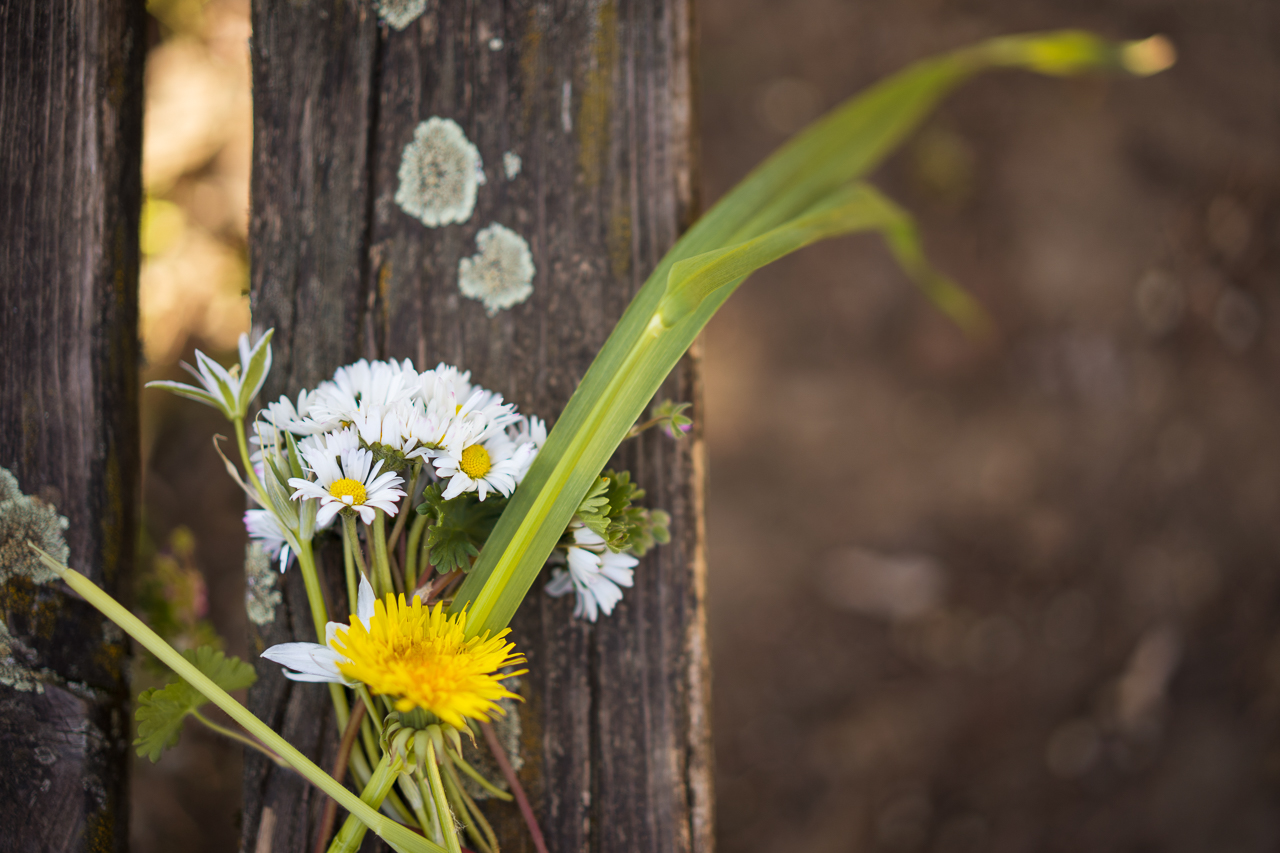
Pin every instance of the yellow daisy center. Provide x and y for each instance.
(421, 656)
(350, 492)
(475, 461)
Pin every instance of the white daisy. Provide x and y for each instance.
(532, 431)
(362, 386)
(292, 417)
(385, 427)
(474, 464)
(347, 481)
(444, 382)
(334, 444)
(595, 573)
(263, 527)
(427, 427)
(314, 662)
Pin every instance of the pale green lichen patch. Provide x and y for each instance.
(511, 164)
(401, 13)
(261, 598)
(501, 275)
(439, 172)
(14, 672)
(26, 519)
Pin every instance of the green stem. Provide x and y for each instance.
(352, 833)
(248, 466)
(236, 736)
(399, 837)
(379, 536)
(411, 552)
(349, 529)
(436, 833)
(442, 804)
(413, 795)
(477, 827)
(315, 597)
(493, 790)
(403, 517)
(349, 569)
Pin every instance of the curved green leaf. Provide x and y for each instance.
(802, 179)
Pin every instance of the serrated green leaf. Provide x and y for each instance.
(594, 509)
(161, 710)
(460, 528)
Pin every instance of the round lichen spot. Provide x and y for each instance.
(475, 461)
(511, 165)
(26, 519)
(501, 275)
(400, 13)
(350, 492)
(439, 173)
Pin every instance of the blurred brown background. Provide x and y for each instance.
(1015, 596)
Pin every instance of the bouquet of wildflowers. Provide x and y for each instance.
(356, 458)
(449, 503)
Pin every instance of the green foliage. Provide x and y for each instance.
(459, 528)
(609, 511)
(670, 416)
(811, 189)
(161, 710)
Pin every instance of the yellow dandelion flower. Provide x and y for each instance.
(421, 656)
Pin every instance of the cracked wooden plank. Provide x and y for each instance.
(71, 105)
(595, 99)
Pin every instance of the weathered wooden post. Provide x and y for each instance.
(71, 106)
(594, 97)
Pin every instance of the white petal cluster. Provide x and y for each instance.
(356, 432)
(595, 573)
(262, 526)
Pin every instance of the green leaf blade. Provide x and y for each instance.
(797, 181)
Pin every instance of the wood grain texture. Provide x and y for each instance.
(595, 98)
(71, 106)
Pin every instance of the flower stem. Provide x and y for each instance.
(349, 530)
(401, 838)
(411, 556)
(378, 533)
(477, 827)
(248, 465)
(435, 833)
(352, 833)
(442, 804)
(494, 791)
(236, 736)
(315, 597)
(403, 517)
(349, 568)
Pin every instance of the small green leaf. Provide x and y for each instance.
(461, 527)
(161, 710)
(255, 372)
(190, 392)
(594, 509)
